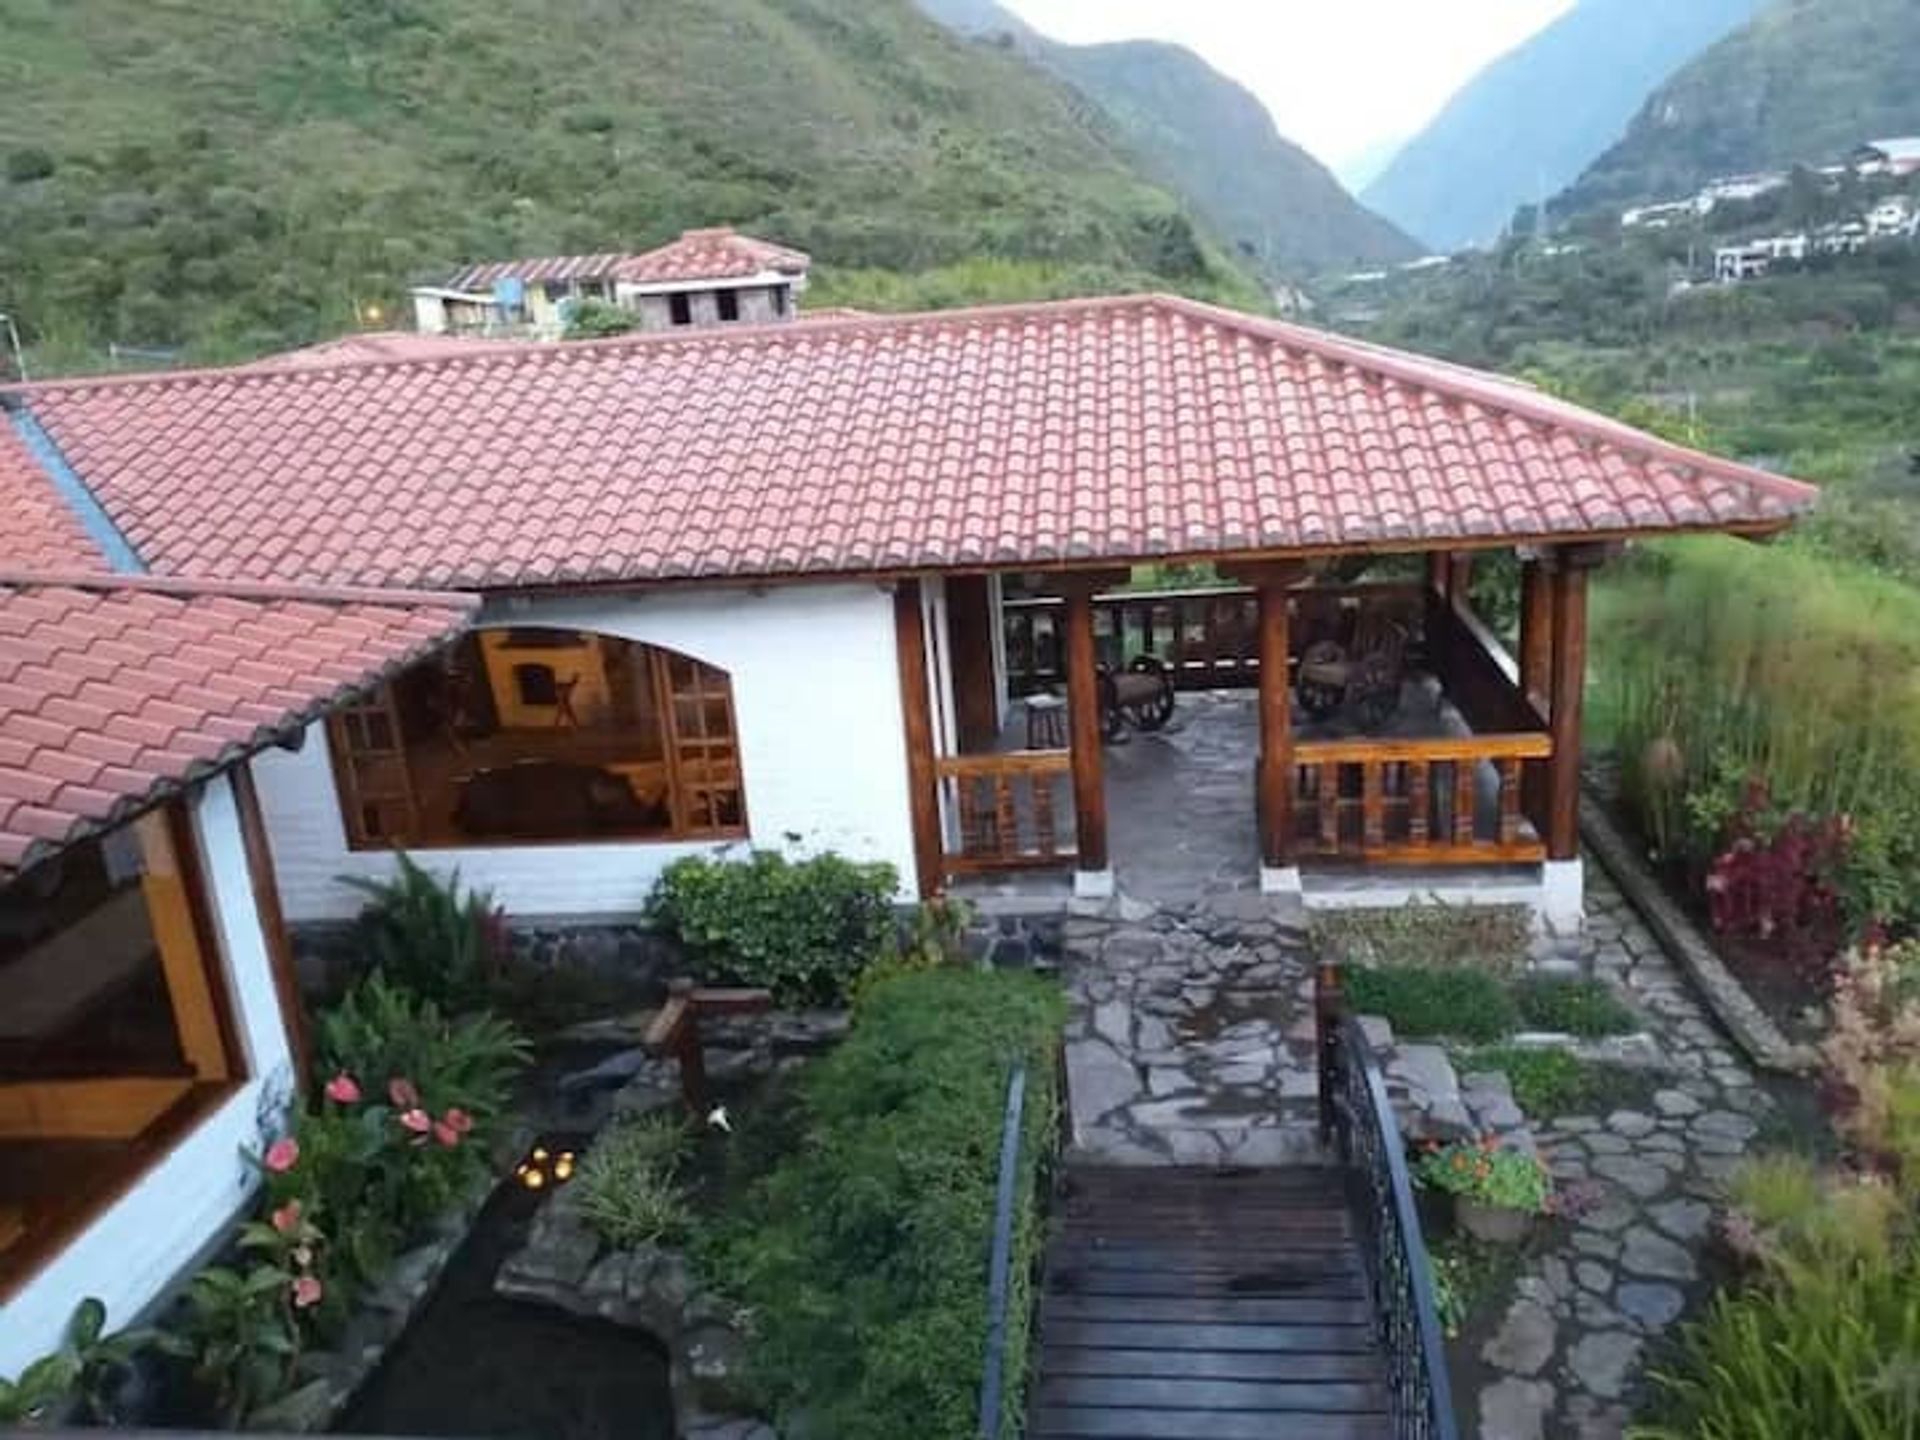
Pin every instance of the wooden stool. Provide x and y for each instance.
(1046, 722)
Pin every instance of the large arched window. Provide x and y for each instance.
(534, 735)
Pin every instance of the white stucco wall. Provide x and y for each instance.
(817, 699)
(136, 1249)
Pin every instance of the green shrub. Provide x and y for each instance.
(428, 935)
(863, 1255)
(380, 1032)
(805, 929)
(1422, 1000)
(1548, 1082)
(626, 1185)
(1575, 1007)
(1436, 936)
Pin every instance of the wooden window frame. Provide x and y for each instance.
(675, 753)
(199, 1100)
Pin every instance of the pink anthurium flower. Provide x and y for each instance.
(286, 1219)
(306, 1291)
(343, 1089)
(457, 1120)
(400, 1090)
(282, 1155)
(445, 1134)
(416, 1120)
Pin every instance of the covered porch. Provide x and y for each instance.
(1444, 763)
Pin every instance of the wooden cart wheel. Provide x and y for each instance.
(1155, 713)
(1318, 697)
(1113, 725)
(1375, 691)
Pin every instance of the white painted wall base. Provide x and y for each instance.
(1092, 884)
(1563, 896)
(1281, 880)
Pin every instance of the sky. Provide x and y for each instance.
(1349, 79)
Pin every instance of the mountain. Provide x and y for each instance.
(1210, 140)
(1806, 81)
(235, 176)
(1527, 124)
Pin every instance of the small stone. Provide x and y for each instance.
(1726, 1124)
(1675, 1102)
(1631, 1123)
(1588, 1243)
(1682, 1219)
(1646, 1253)
(1593, 1276)
(1652, 1304)
(1099, 1081)
(1113, 1023)
(1640, 1176)
(1525, 1341)
(1600, 1361)
(1515, 1409)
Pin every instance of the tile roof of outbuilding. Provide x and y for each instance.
(116, 691)
(1098, 431)
(481, 278)
(719, 253)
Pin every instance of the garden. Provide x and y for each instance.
(499, 1213)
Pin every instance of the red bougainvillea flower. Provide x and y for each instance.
(416, 1120)
(400, 1090)
(445, 1134)
(306, 1291)
(457, 1120)
(343, 1089)
(287, 1218)
(282, 1155)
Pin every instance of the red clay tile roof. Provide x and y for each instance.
(372, 346)
(114, 692)
(39, 532)
(1098, 431)
(716, 254)
(481, 277)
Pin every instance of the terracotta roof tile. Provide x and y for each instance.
(480, 278)
(111, 720)
(719, 253)
(1108, 430)
(40, 532)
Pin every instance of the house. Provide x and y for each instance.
(1752, 259)
(1898, 157)
(713, 276)
(1661, 216)
(751, 585)
(1736, 188)
(148, 1027)
(1893, 218)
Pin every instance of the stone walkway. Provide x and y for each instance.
(1191, 1043)
(1640, 1189)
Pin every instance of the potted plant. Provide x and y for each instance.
(1496, 1191)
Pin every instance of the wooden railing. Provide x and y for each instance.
(1209, 639)
(1005, 811)
(1438, 802)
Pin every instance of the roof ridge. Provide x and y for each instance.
(190, 586)
(1486, 388)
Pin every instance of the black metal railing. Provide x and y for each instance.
(1000, 1264)
(1357, 1121)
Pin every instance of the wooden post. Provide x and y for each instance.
(916, 706)
(1569, 673)
(1536, 632)
(1083, 728)
(1275, 782)
(273, 924)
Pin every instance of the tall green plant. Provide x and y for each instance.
(430, 935)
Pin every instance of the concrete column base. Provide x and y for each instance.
(1563, 896)
(1093, 884)
(1281, 880)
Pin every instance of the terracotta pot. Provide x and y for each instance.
(1494, 1224)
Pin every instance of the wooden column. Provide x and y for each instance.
(1275, 780)
(916, 707)
(1569, 675)
(273, 924)
(970, 653)
(1083, 728)
(1536, 632)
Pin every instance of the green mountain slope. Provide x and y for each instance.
(1529, 123)
(235, 175)
(1210, 140)
(1806, 81)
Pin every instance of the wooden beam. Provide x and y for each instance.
(970, 653)
(916, 711)
(1536, 633)
(1261, 573)
(1084, 582)
(1083, 729)
(1569, 675)
(273, 924)
(1275, 799)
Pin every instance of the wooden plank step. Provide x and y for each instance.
(1320, 1397)
(1073, 1423)
(1217, 1285)
(1121, 1256)
(1228, 1310)
(1263, 1339)
(1212, 1364)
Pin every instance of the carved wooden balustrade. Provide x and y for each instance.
(1005, 811)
